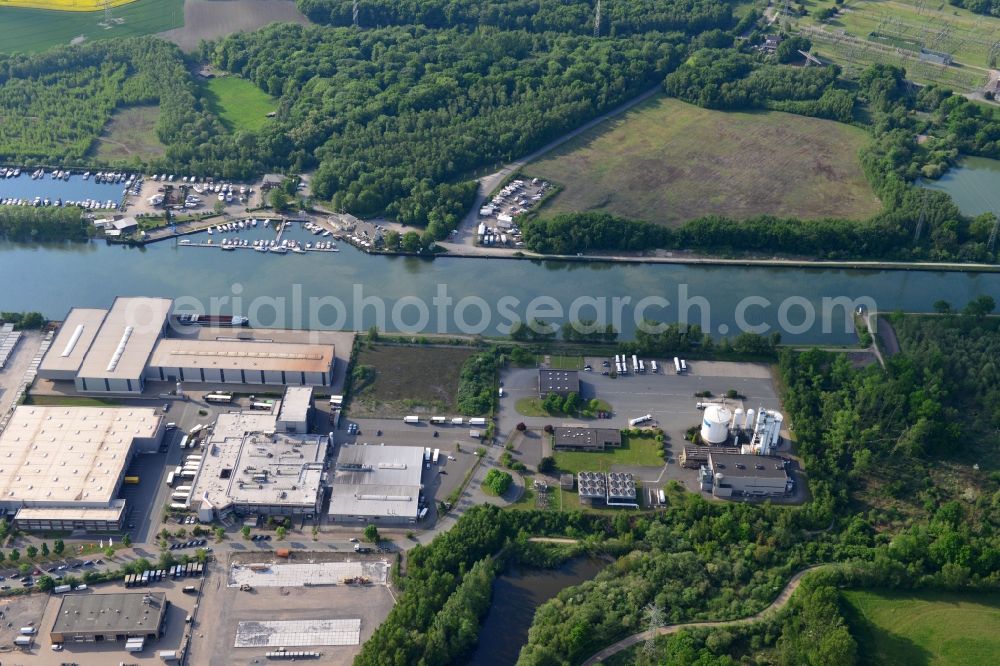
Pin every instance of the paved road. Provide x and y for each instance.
(634, 639)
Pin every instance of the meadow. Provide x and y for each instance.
(33, 30)
(933, 628)
(394, 381)
(130, 135)
(667, 161)
(65, 5)
(638, 450)
(241, 105)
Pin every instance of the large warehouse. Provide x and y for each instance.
(119, 350)
(107, 354)
(251, 467)
(62, 467)
(88, 618)
(377, 484)
(241, 362)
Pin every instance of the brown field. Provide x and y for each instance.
(408, 380)
(212, 19)
(131, 133)
(666, 161)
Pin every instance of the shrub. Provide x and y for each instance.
(497, 482)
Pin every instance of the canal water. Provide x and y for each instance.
(516, 595)
(353, 290)
(974, 185)
(74, 189)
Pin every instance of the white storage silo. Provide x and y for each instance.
(748, 421)
(715, 425)
(738, 418)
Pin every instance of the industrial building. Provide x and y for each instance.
(578, 438)
(249, 467)
(377, 484)
(120, 349)
(728, 475)
(105, 351)
(89, 618)
(560, 382)
(63, 466)
(241, 362)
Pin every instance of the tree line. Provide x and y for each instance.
(621, 17)
(48, 223)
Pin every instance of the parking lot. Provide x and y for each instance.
(499, 215)
(228, 606)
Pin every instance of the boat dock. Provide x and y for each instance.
(216, 246)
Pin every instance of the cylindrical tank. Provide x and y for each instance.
(748, 421)
(738, 418)
(715, 425)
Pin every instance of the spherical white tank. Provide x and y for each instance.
(715, 425)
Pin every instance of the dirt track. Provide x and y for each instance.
(634, 639)
(212, 19)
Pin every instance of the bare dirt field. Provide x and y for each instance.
(407, 380)
(212, 19)
(666, 162)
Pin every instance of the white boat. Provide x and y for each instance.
(267, 221)
(260, 248)
(228, 247)
(241, 225)
(253, 222)
(279, 249)
(184, 242)
(210, 232)
(326, 233)
(309, 246)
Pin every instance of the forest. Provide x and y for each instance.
(30, 224)
(573, 16)
(393, 116)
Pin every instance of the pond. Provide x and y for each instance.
(974, 185)
(516, 595)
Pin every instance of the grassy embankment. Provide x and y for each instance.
(241, 105)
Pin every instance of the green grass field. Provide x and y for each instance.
(927, 628)
(409, 380)
(33, 30)
(643, 451)
(131, 134)
(908, 24)
(667, 161)
(241, 105)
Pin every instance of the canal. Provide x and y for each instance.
(353, 290)
(516, 595)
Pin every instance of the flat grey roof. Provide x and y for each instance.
(762, 467)
(296, 403)
(126, 338)
(118, 613)
(558, 381)
(588, 438)
(73, 340)
(377, 481)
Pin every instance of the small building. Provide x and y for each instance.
(560, 382)
(578, 438)
(271, 181)
(771, 43)
(125, 225)
(694, 457)
(748, 475)
(380, 484)
(567, 481)
(91, 618)
(293, 415)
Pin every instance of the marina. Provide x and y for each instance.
(281, 237)
(39, 187)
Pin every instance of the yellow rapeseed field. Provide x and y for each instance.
(65, 5)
